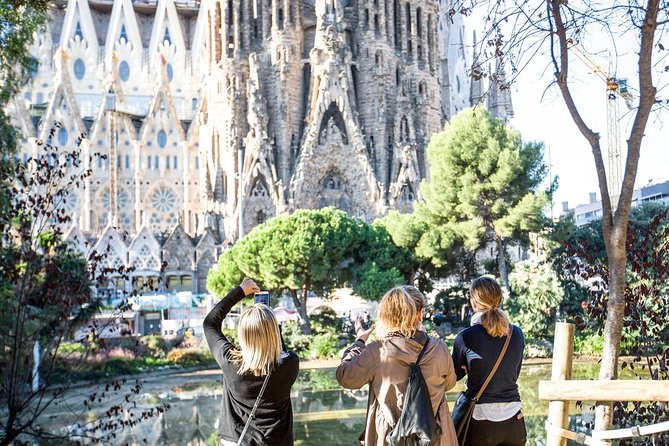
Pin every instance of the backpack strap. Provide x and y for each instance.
(422, 352)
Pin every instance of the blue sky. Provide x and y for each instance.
(541, 115)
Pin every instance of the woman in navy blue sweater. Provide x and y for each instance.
(498, 417)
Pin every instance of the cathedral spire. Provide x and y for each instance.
(476, 90)
(499, 97)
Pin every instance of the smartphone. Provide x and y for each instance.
(262, 297)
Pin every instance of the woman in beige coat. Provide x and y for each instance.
(384, 365)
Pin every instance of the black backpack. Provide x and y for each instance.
(417, 425)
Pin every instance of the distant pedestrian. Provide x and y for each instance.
(498, 417)
(261, 365)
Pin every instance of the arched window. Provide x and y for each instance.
(406, 193)
(259, 189)
(331, 182)
(166, 36)
(123, 37)
(77, 31)
(170, 72)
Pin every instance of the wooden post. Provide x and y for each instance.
(563, 353)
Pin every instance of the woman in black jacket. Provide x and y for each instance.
(245, 370)
(498, 417)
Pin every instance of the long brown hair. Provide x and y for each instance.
(486, 295)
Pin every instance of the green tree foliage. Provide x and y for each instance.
(427, 257)
(589, 237)
(645, 332)
(313, 251)
(536, 296)
(19, 20)
(483, 187)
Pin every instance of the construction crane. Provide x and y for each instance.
(616, 89)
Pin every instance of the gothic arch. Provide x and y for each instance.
(332, 116)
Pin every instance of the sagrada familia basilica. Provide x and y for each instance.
(206, 118)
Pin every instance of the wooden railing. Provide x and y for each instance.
(561, 390)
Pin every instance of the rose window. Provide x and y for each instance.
(164, 200)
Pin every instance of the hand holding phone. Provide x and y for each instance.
(261, 297)
(249, 286)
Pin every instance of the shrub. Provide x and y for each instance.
(120, 353)
(156, 345)
(231, 334)
(134, 344)
(119, 366)
(537, 293)
(72, 347)
(325, 321)
(188, 357)
(324, 346)
(588, 344)
(294, 338)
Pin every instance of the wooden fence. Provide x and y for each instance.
(560, 390)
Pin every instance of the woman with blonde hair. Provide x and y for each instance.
(498, 418)
(384, 365)
(257, 376)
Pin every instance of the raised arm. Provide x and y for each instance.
(358, 363)
(218, 343)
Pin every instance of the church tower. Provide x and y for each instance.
(317, 103)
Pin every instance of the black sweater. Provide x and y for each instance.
(478, 351)
(273, 422)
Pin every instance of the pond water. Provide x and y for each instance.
(324, 414)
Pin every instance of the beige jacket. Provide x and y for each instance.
(384, 364)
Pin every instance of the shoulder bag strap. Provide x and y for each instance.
(253, 411)
(499, 360)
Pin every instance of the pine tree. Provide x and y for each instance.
(483, 187)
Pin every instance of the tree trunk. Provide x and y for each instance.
(301, 305)
(613, 327)
(501, 264)
(614, 223)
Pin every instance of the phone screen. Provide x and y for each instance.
(262, 297)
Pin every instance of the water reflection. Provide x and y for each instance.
(324, 414)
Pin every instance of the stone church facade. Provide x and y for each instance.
(204, 119)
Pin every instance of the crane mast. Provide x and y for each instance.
(616, 89)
